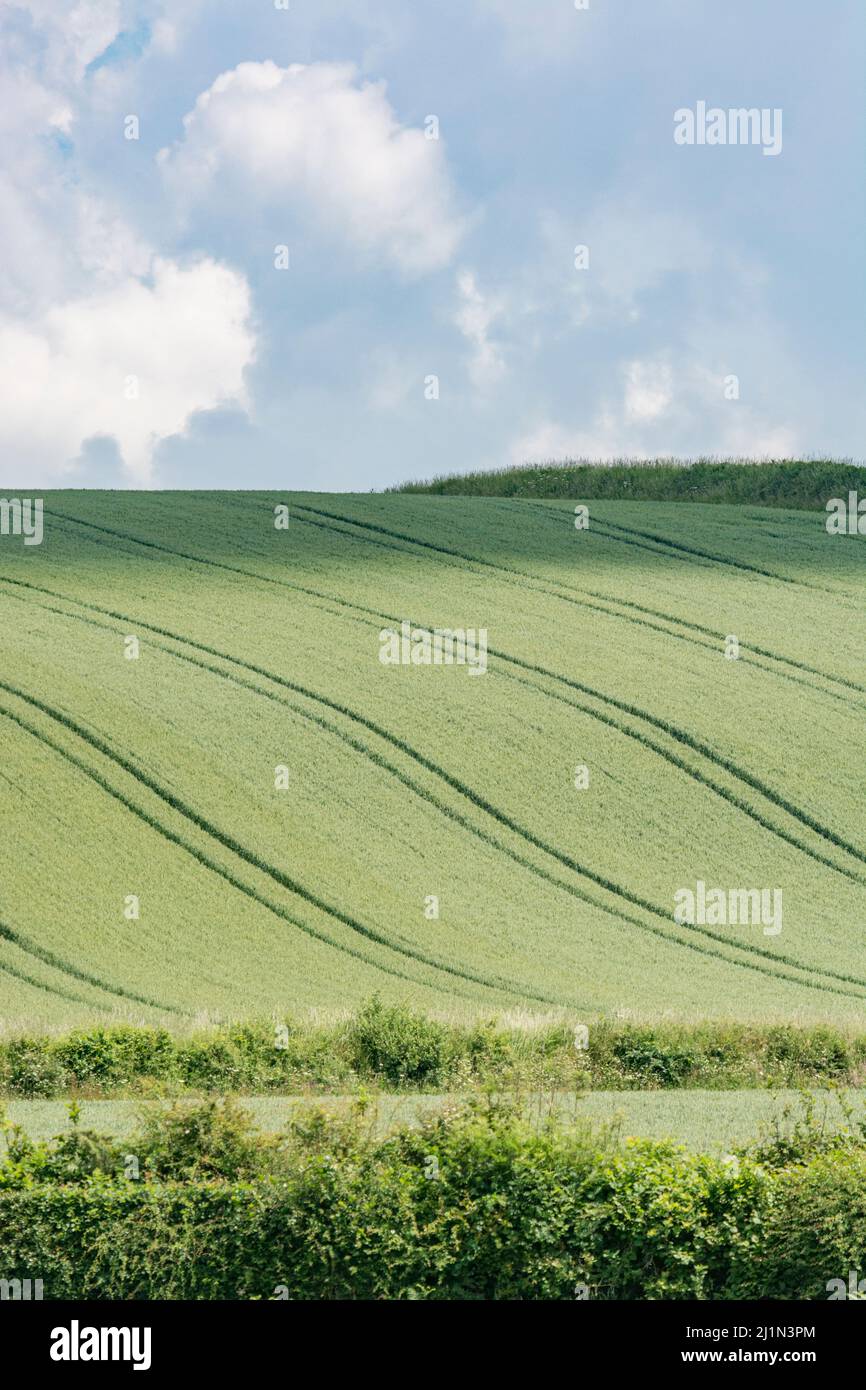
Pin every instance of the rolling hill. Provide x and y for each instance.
(281, 808)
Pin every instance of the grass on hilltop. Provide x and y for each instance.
(805, 483)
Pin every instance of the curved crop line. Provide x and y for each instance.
(319, 721)
(49, 989)
(761, 651)
(682, 736)
(43, 984)
(552, 514)
(230, 843)
(196, 854)
(477, 800)
(31, 948)
(687, 551)
(677, 734)
(540, 585)
(718, 759)
(449, 811)
(701, 778)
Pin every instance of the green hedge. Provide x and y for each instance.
(776, 483)
(402, 1050)
(502, 1213)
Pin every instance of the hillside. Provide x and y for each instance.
(259, 648)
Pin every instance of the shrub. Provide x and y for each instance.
(213, 1139)
(109, 1058)
(31, 1069)
(75, 1156)
(649, 1057)
(402, 1047)
(814, 1231)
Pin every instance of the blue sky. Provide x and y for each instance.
(154, 341)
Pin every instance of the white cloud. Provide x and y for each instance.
(633, 249)
(648, 390)
(71, 33)
(185, 338)
(85, 303)
(664, 409)
(549, 440)
(315, 140)
(474, 316)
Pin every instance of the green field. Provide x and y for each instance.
(259, 648)
(704, 1121)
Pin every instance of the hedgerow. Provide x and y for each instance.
(475, 1205)
(400, 1049)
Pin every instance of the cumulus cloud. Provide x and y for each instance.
(317, 140)
(132, 363)
(107, 340)
(70, 34)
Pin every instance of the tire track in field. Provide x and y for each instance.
(7, 935)
(678, 735)
(680, 547)
(191, 849)
(32, 948)
(541, 585)
(284, 880)
(552, 879)
(752, 647)
(511, 575)
(477, 800)
(688, 551)
(551, 514)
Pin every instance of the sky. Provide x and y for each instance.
(339, 244)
